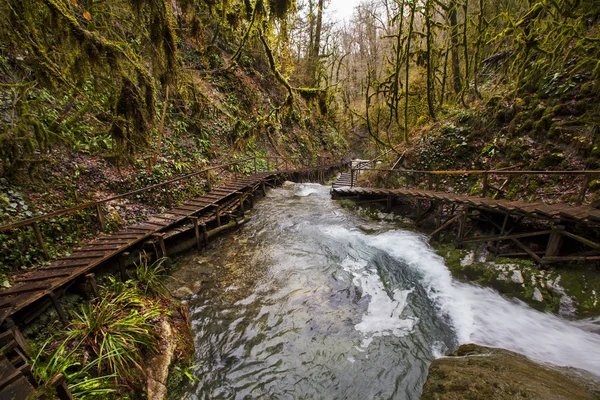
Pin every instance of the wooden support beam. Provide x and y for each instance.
(161, 243)
(204, 233)
(438, 221)
(388, 207)
(445, 225)
(59, 309)
(462, 223)
(502, 230)
(196, 232)
(537, 258)
(555, 241)
(122, 268)
(581, 239)
(507, 237)
(40, 240)
(91, 279)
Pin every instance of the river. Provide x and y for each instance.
(310, 301)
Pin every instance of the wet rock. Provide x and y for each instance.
(183, 292)
(158, 365)
(468, 260)
(537, 295)
(476, 372)
(517, 276)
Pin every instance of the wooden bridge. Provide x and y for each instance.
(194, 220)
(547, 233)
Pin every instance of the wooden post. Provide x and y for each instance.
(204, 233)
(161, 243)
(196, 231)
(208, 183)
(263, 187)
(462, 222)
(502, 230)
(352, 177)
(242, 208)
(58, 308)
(40, 240)
(122, 268)
(485, 185)
(430, 181)
(555, 241)
(91, 278)
(388, 207)
(438, 220)
(101, 218)
(251, 198)
(584, 188)
(218, 214)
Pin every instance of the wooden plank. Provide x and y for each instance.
(507, 237)
(41, 277)
(26, 287)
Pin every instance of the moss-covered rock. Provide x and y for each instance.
(476, 372)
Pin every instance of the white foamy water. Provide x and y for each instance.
(479, 315)
(383, 316)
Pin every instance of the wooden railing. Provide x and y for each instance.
(250, 164)
(432, 178)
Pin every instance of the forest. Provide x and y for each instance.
(99, 98)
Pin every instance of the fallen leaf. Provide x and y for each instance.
(87, 15)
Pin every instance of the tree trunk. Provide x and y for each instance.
(413, 6)
(452, 17)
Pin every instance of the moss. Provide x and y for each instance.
(476, 372)
(347, 203)
(549, 160)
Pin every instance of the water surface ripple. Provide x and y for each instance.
(307, 305)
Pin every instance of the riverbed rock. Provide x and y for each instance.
(158, 365)
(517, 276)
(537, 295)
(476, 372)
(183, 292)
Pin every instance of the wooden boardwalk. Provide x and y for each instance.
(580, 225)
(40, 283)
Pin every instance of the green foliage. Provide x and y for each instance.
(65, 359)
(150, 276)
(117, 328)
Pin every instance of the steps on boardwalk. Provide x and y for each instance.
(344, 180)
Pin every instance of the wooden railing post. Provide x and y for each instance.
(208, 183)
(485, 185)
(40, 240)
(430, 181)
(101, 218)
(352, 177)
(584, 188)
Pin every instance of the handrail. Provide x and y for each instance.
(486, 173)
(31, 221)
(483, 172)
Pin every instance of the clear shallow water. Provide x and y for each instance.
(306, 305)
